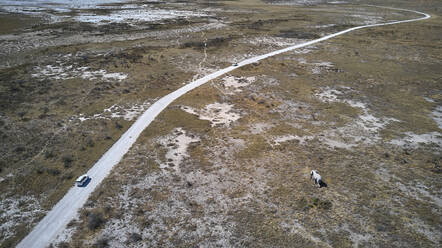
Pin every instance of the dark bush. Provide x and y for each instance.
(118, 125)
(67, 160)
(53, 172)
(102, 243)
(63, 245)
(95, 220)
(20, 149)
(49, 154)
(299, 34)
(135, 237)
(40, 169)
(216, 42)
(322, 204)
(90, 142)
(2, 165)
(72, 223)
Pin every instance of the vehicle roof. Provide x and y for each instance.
(81, 177)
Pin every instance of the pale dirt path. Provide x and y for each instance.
(67, 208)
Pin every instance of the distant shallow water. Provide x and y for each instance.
(56, 5)
(117, 11)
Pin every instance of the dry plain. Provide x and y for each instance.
(227, 164)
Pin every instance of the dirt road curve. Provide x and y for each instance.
(67, 208)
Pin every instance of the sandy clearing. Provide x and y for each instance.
(219, 114)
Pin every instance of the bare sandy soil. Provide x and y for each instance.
(227, 164)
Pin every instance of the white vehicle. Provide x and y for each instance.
(235, 64)
(82, 180)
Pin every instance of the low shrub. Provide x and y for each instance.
(135, 237)
(67, 160)
(95, 220)
(102, 243)
(118, 125)
(53, 172)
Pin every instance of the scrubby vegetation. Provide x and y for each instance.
(362, 109)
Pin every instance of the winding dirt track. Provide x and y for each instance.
(67, 208)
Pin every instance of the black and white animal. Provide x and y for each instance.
(314, 175)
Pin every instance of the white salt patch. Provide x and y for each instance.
(290, 110)
(419, 226)
(367, 19)
(329, 95)
(365, 129)
(177, 144)
(324, 64)
(316, 68)
(216, 113)
(129, 113)
(333, 141)
(356, 238)
(371, 123)
(295, 227)
(273, 41)
(303, 50)
(235, 83)
(143, 14)
(257, 128)
(302, 139)
(302, 60)
(419, 192)
(429, 99)
(437, 116)
(413, 140)
(299, 2)
(324, 26)
(412, 189)
(14, 211)
(423, 190)
(115, 111)
(115, 76)
(225, 150)
(319, 67)
(65, 236)
(64, 72)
